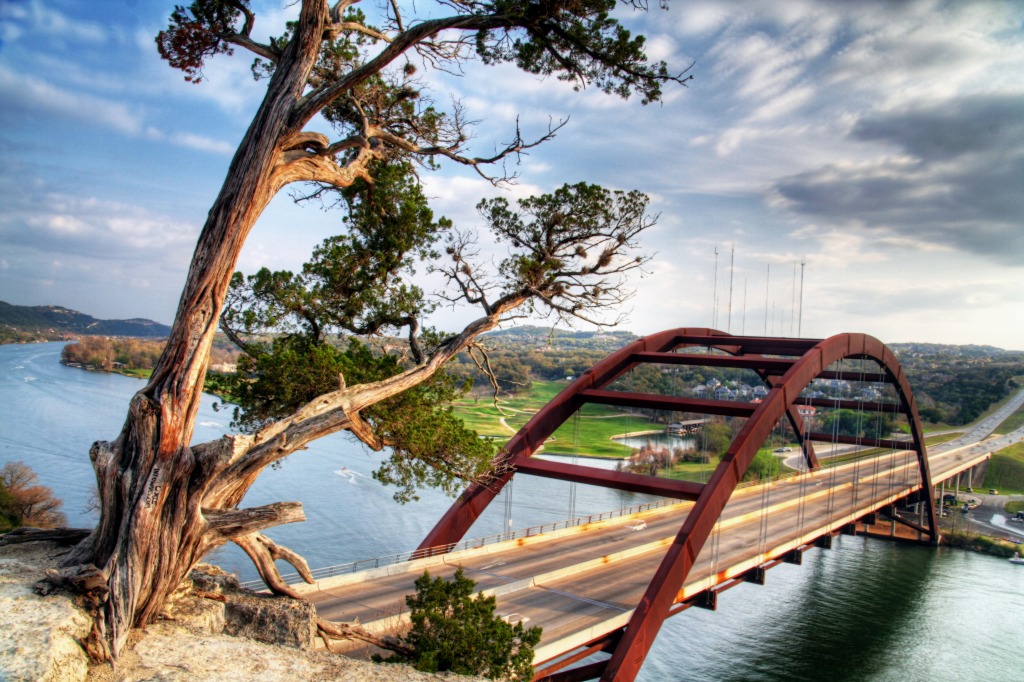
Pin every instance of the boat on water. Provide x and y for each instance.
(1016, 558)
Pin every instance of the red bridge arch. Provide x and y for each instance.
(787, 366)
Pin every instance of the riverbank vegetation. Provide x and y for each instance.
(132, 355)
(23, 502)
(696, 463)
(979, 543)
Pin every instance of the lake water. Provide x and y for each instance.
(864, 610)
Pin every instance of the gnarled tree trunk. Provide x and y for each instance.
(164, 504)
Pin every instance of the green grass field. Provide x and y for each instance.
(143, 373)
(590, 433)
(587, 434)
(1006, 470)
(942, 438)
(691, 471)
(1012, 423)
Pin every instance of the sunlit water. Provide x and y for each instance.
(865, 610)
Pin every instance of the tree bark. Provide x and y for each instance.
(154, 490)
(165, 503)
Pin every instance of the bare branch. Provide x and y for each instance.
(227, 524)
(243, 40)
(483, 364)
(516, 146)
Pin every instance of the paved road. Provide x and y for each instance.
(586, 583)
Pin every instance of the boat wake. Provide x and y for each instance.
(352, 476)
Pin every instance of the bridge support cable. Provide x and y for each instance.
(858, 445)
(786, 366)
(507, 493)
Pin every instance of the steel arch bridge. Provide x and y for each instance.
(787, 366)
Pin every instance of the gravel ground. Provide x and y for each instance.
(169, 653)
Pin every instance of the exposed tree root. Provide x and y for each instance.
(329, 630)
(62, 536)
(264, 552)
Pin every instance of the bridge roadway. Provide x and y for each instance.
(581, 583)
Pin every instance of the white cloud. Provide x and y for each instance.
(695, 18)
(203, 143)
(56, 223)
(32, 96)
(37, 19)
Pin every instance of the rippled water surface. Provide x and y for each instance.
(864, 610)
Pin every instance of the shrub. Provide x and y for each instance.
(453, 631)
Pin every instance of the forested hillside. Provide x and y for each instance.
(49, 322)
(956, 384)
(953, 384)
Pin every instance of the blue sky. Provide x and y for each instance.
(880, 143)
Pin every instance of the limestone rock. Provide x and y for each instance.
(210, 578)
(200, 615)
(40, 634)
(274, 620)
(39, 637)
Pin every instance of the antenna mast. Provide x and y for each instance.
(800, 319)
(714, 296)
(732, 268)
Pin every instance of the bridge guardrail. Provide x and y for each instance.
(391, 559)
(401, 557)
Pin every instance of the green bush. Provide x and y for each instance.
(452, 631)
(978, 543)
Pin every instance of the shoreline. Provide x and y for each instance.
(136, 374)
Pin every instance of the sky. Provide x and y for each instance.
(832, 166)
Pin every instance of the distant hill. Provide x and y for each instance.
(564, 339)
(50, 320)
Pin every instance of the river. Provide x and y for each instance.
(864, 610)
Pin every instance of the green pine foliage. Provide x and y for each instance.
(859, 424)
(302, 334)
(454, 631)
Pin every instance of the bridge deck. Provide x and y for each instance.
(583, 583)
